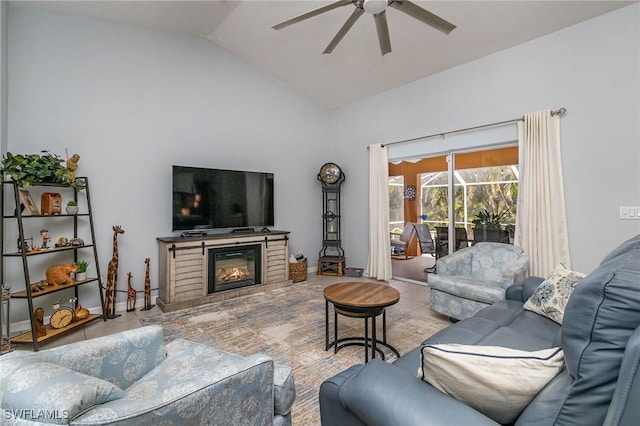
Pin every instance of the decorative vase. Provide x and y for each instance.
(72, 209)
(80, 276)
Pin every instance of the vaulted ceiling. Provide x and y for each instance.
(356, 68)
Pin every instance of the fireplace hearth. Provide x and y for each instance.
(234, 267)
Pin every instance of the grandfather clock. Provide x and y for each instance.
(331, 257)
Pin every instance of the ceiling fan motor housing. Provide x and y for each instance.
(374, 6)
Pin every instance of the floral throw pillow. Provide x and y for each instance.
(551, 297)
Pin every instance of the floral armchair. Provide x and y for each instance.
(133, 378)
(475, 277)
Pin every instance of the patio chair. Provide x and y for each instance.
(442, 240)
(407, 241)
(427, 245)
(425, 240)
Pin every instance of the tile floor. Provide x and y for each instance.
(413, 298)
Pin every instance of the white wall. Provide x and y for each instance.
(591, 69)
(133, 102)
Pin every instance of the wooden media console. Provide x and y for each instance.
(201, 269)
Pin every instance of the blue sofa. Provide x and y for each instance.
(600, 337)
(133, 378)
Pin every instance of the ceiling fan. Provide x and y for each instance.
(378, 8)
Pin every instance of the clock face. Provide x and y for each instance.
(61, 318)
(330, 173)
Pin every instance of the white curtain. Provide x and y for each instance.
(541, 223)
(379, 263)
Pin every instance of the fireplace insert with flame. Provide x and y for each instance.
(234, 267)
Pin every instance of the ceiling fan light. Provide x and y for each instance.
(374, 6)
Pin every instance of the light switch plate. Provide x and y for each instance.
(630, 212)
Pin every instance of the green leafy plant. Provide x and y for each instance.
(489, 219)
(72, 203)
(82, 265)
(26, 170)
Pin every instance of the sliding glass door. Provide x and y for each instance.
(475, 199)
(456, 189)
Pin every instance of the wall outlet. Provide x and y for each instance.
(630, 212)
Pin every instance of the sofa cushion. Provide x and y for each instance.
(194, 385)
(502, 324)
(602, 313)
(492, 261)
(121, 358)
(468, 287)
(33, 387)
(551, 297)
(497, 381)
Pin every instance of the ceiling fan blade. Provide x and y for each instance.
(343, 31)
(423, 15)
(311, 14)
(383, 32)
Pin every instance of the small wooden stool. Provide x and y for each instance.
(333, 266)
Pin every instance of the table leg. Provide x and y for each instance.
(366, 340)
(373, 335)
(326, 325)
(384, 326)
(335, 331)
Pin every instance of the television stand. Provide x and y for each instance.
(185, 271)
(242, 230)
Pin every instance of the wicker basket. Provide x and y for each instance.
(298, 271)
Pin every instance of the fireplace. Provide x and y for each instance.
(234, 267)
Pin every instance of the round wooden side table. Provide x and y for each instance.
(359, 299)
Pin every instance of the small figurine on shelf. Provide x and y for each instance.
(41, 330)
(80, 313)
(44, 233)
(39, 286)
(61, 274)
(28, 244)
(76, 242)
(131, 294)
(62, 241)
(72, 166)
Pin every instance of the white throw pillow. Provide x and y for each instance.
(499, 382)
(551, 297)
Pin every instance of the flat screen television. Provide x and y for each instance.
(217, 198)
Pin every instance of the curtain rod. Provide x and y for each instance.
(466, 129)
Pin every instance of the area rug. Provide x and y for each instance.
(288, 324)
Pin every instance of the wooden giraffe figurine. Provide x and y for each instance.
(131, 294)
(112, 276)
(147, 288)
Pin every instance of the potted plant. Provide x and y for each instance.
(26, 170)
(81, 273)
(488, 226)
(72, 207)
